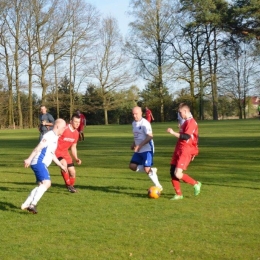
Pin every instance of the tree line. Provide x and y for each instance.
(67, 56)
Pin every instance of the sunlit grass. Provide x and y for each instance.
(112, 218)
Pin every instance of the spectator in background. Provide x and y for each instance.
(81, 125)
(148, 115)
(46, 122)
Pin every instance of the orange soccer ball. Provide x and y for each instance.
(154, 192)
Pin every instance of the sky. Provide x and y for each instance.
(116, 8)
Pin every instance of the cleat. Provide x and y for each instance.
(32, 209)
(24, 206)
(71, 189)
(177, 197)
(197, 188)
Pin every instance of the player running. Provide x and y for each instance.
(68, 140)
(143, 146)
(40, 158)
(185, 150)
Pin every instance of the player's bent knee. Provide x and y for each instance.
(132, 166)
(172, 171)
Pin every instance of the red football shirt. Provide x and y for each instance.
(189, 127)
(66, 140)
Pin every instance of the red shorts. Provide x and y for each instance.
(181, 159)
(66, 156)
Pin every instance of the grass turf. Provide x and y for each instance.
(111, 217)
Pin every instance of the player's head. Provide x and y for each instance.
(78, 112)
(137, 113)
(43, 109)
(75, 120)
(184, 110)
(59, 126)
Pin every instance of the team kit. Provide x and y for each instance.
(58, 138)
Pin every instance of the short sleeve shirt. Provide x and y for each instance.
(189, 127)
(140, 131)
(67, 139)
(50, 141)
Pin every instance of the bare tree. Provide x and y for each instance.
(110, 68)
(153, 25)
(240, 74)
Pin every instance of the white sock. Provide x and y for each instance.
(30, 197)
(140, 168)
(154, 178)
(39, 193)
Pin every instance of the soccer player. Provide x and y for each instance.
(148, 115)
(40, 158)
(143, 146)
(185, 150)
(46, 122)
(68, 140)
(81, 126)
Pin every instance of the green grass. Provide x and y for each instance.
(112, 218)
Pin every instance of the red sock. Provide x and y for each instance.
(176, 185)
(72, 181)
(66, 177)
(186, 178)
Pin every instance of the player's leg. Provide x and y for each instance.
(186, 159)
(65, 175)
(72, 176)
(176, 183)
(151, 172)
(136, 163)
(43, 179)
(29, 199)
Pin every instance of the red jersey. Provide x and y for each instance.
(66, 140)
(82, 119)
(189, 127)
(148, 115)
(82, 122)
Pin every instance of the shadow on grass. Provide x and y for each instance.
(7, 206)
(106, 189)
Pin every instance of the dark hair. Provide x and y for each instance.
(75, 115)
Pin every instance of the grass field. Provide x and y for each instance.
(111, 217)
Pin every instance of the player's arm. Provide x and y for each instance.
(55, 159)
(148, 138)
(38, 148)
(178, 135)
(50, 119)
(75, 154)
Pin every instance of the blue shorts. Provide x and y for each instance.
(145, 159)
(41, 172)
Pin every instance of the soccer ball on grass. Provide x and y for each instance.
(154, 192)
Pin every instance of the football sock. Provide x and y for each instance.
(154, 178)
(66, 177)
(140, 168)
(72, 181)
(30, 197)
(38, 194)
(186, 178)
(176, 185)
